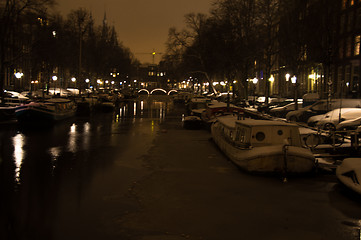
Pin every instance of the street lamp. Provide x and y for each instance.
(33, 85)
(254, 81)
(271, 85)
(73, 79)
(294, 79)
(87, 81)
(18, 75)
(54, 80)
(287, 76)
(294, 82)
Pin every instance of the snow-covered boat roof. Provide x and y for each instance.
(200, 99)
(228, 120)
(58, 100)
(254, 122)
(220, 105)
(231, 120)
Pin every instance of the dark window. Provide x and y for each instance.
(260, 136)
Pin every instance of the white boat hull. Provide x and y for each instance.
(266, 159)
(349, 173)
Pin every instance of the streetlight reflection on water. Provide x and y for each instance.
(72, 139)
(18, 142)
(79, 135)
(142, 109)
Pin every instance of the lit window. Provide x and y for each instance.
(357, 45)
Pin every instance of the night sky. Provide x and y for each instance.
(142, 25)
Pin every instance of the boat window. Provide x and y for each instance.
(260, 136)
(280, 132)
(241, 135)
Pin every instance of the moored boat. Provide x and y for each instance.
(9, 104)
(192, 122)
(50, 110)
(262, 146)
(7, 113)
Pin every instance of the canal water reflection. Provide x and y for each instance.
(41, 167)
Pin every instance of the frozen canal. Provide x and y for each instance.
(138, 175)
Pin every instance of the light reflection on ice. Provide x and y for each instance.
(86, 136)
(120, 112)
(54, 153)
(72, 139)
(141, 108)
(18, 142)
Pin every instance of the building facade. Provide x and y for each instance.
(347, 66)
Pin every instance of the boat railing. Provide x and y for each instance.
(334, 138)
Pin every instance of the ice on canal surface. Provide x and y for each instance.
(137, 174)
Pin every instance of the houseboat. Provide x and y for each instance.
(262, 146)
(50, 110)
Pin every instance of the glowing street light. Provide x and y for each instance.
(271, 79)
(294, 82)
(287, 76)
(294, 79)
(254, 81)
(18, 75)
(55, 78)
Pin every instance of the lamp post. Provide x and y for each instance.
(54, 80)
(87, 81)
(18, 76)
(294, 82)
(287, 77)
(254, 81)
(33, 85)
(73, 79)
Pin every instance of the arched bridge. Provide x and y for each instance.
(157, 91)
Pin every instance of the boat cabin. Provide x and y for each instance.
(256, 133)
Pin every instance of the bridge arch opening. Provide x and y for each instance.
(143, 91)
(172, 92)
(158, 91)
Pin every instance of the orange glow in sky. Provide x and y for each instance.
(141, 25)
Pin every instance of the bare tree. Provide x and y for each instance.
(239, 19)
(268, 12)
(188, 48)
(11, 12)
